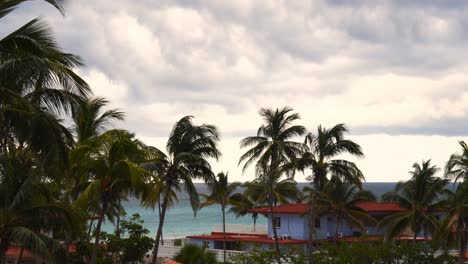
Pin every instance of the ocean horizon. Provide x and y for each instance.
(180, 220)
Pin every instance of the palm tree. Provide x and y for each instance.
(108, 165)
(36, 82)
(221, 192)
(271, 148)
(28, 207)
(188, 147)
(320, 157)
(155, 191)
(340, 199)
(457, 166)
(418, 196)
(90, 122)
(455, 204)
(457, 169)
(242, 203)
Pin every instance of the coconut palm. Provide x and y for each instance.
(457, 166)
(321, 156)
(457, 169)
(188, 147)
(90, 121)
(36, 82)
(155, 191)
(418, 196)
(453, 228)
(271, 148)
(340, 199)
(28, 208)
(242, 203)
(284, 190)
(221, 192)
(108, 165)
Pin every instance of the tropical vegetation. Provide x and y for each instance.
(59, 184)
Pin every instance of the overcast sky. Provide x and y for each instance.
(394, 71)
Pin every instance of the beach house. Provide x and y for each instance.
(291, 222)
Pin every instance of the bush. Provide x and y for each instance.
(356, 253)
(193, 254)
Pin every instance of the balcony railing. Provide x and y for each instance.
(238, 228)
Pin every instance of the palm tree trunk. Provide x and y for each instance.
(224, 232)
(254, 216)
(159, 214)
(277, 249)
(20, 255)
(160, 225)
(98, 232)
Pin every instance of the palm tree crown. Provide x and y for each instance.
(323, 148)
(419, 196)
(457, 166)
(90, 122)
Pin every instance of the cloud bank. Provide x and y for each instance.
(394, 71)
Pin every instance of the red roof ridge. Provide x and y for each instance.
(301, 208)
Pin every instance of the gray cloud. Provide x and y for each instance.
(334, 61)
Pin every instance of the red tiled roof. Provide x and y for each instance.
(380, 207)
(302, 208)
(247, 238)
(283, 209)
(15, 251)
(172, 262)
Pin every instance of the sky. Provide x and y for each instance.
(394, 71)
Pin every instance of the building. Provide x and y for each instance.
(292, 227)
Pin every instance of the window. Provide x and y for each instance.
(277, 222)
(317, 222)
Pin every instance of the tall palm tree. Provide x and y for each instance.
(28, 207)
(188, 147)
(221, 192)
(271, 148)
(419, 197)
(109, 167)
(457, 169)
(90, 121)
(340, 199)
(455, 204)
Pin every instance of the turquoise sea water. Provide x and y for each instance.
(181, 222)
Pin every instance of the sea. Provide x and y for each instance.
(180, 220)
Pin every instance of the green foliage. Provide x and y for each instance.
(259, 256)
(131, 241)
(356, 253)
(193, 254)
(379, 253)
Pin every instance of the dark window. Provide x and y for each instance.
(277, 222)
(317, 222)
